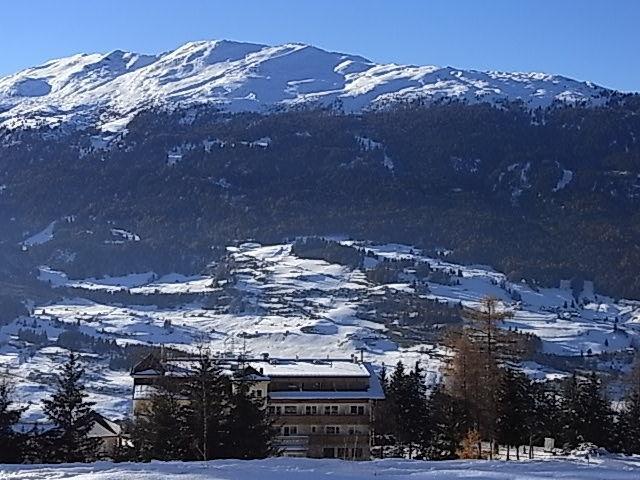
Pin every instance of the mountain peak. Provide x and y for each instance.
(240, 76)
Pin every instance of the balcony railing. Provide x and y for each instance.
(292, 442)
(321, 419)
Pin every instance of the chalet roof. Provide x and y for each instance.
(102, 427)
(149, 365)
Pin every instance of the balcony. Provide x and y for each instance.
(339, 440)
(292, 442)
(322, 419)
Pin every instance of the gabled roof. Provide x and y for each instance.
(103, 427)
(149, 365)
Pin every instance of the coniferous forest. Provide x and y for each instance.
(542, 195)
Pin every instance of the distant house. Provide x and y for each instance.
(323, 407)
(109, 433)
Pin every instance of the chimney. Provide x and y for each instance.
(265, 356)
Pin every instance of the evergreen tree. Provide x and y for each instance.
(162, 432)
(207, 391)
(629, 424)
(11, 443)
(250, 432)
(514, 407)
(596, 411)
(72, 417)
(587, 415)
(447, 422)
(571, 412)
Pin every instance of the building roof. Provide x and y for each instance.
(373, 392)
(272, 368)
(310, 368)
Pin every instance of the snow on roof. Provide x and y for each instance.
(373, 392)
(311, 368)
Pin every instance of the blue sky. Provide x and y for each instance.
(593, 40)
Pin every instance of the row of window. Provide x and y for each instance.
(314, 410)
(344, 453)
(292, 430)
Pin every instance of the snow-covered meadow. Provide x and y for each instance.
(610, 468)
(290, 306)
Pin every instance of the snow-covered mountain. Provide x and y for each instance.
(109, 89)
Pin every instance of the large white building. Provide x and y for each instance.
(322, 407)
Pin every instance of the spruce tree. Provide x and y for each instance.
(629, 424)
(448, 422)
(11, 443)
(250, 432)
(596, 411)
(207, 392)
(514, 407)
(571, 413)
(72, 417)
(162, 432)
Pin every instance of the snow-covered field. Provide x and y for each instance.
(289, 306)
(610, 468)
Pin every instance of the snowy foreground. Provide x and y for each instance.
(611, 468)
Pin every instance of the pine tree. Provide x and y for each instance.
(250, 432)
(207, 391)
(72, 417)
(11, 443)
(162, 432)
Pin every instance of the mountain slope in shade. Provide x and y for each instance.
(108, 89)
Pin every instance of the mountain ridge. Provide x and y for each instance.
(107, 90)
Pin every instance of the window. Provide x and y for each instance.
(342, 453)
(259, 393)
(290, 410)
(311, 410)
(313, 429)
(332, 430)
(357, 453)
(328, 452)
(357, 410)
(331, 409)
(289, 430)
(275, 410)
(353, 430)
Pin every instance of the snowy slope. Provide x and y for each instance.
(610, 468)
(109, 89)
(288, 306)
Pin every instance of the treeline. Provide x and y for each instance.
(209, 416)
(316, 248)
(457, 182)
(485, 398)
